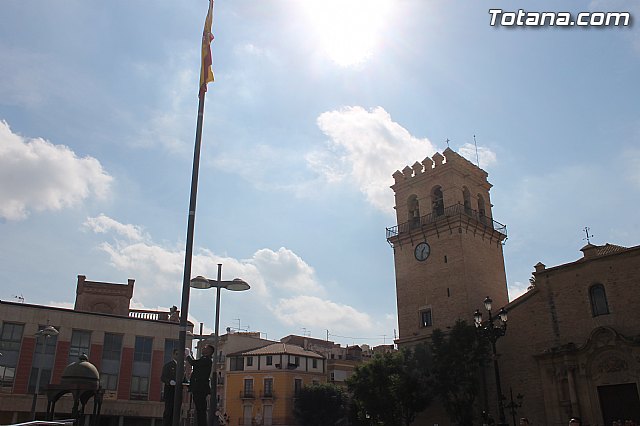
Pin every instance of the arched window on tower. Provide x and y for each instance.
(598, 298)
(413, 207)
(466, 196)
(481, 209)
(437, 201)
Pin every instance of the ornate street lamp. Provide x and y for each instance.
(46, 332)
(513, 405)
(237, 284)
(492, 331)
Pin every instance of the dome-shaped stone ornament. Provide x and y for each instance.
(81, 372)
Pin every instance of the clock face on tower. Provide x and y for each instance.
(422, 251)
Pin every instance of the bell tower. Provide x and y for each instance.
(447, 247)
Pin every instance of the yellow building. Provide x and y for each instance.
(262, 384)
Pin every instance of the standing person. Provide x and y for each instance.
(168, 377)
(199, 384)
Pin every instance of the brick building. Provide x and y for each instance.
(572, 346)
(573, 341)
(127, 346)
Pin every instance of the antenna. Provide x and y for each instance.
(586, 231)
(476, 144)
(239, 328)
(20, 298)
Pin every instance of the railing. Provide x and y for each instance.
(267, 395)
(153, 315)
(451, 211)
(247, 394)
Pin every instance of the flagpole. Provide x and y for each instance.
(184, 309)
(206, 76)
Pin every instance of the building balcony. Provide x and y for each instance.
(267, 395)
(247, 394)
(441, 219)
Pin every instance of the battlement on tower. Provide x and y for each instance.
(436, 164)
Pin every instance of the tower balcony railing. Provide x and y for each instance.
(448, 212)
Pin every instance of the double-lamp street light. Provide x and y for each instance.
(236, 284)
(46, 332)
(492, 332)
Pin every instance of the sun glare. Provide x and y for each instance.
(348, 30)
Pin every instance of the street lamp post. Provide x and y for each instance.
(234, 285)
(493, 332)
(513, 405)
(46, 332)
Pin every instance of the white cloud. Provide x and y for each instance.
(274, 277)
(366, 147)
(309, 311)
(65, 305)
(103, 224)
(38, 175)
(286, 270)
(517, 289)
(485, 156)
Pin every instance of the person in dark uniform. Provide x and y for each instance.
(199, 383)
(168, 377)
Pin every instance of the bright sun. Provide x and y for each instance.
(348, 30)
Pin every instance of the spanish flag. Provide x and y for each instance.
(206, 73)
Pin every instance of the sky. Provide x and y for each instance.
(315, 104)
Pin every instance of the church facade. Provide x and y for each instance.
(572, 346)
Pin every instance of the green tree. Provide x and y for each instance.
(320, 405)
(457, 357)
(390, 389)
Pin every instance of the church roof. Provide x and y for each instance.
(610, 249)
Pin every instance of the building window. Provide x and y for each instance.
(268, 387)
(598, 298)
(236, 363)
(425, 318)
(297, 386)
(248, 388)
(249, 361)
(413, 208)
(437, 201)
(80, 343)
(466, 196)
(314, 363)
(44, 355)
(10, 347)
(269, 360)
(481, 209)
(141, 368)
(111, 361)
